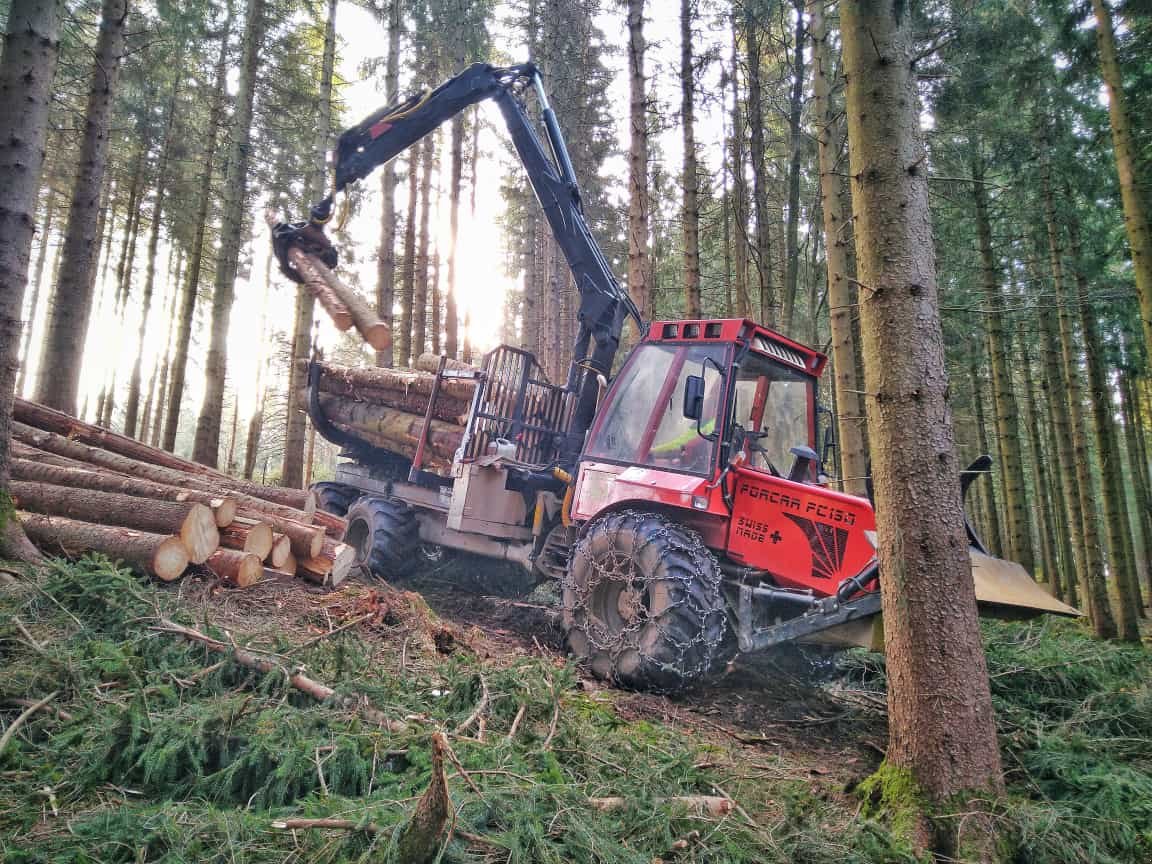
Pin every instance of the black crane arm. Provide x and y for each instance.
(604, 304)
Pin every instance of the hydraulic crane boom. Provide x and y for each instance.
(603, 303)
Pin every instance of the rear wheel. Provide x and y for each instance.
(334, 498)
(643, 603)
(385, 535)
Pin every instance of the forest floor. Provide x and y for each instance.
(155, 749)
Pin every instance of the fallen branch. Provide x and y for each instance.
(19, 721)
(318, 691)
(481, 707)
(697, 805)
(28, 703)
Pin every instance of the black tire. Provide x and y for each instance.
(334, 498)
(385, 536)
(643, 603)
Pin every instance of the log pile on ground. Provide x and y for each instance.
(387, 407)
(80, 488)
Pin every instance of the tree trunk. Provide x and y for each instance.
(196, 253)
(995, 535)
(638, 203)
(1019, 532)
(87, 477)
(132, 403)
(1115, 499)
(942, 734)
(456, 171)
(739, 192)
(27, 71)
(166, 363)
(45, 230)
(841, 305)
(155, 554)
(386, 260)
(1142, 499)
(795, 144)
(206, 448)
(420, 290)
(67, 325)
(1136, 223)
(194, 523)
(292, 475)
(690, 210)
(769, 303)
(1095, 589)
(404, 340)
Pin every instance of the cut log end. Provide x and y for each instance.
(379, 336)
(199, 534)
(170, 560)
(280, 553)
(224, 509)
(238, 569)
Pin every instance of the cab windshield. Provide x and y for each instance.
(772, 407)
(643, 422)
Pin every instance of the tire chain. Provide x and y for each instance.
(692, 658)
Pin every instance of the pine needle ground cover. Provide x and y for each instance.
(156, 749)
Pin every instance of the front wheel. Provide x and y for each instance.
(385, 535)
(643, 604)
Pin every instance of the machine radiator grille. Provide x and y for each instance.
(516, 403)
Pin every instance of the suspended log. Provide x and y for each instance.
(91, 455)
(194, 523)
(306, 540)
(48, 419)
(280, 552)
(255, 538)
(394, 430)
(224, 509)
(364, 318)
(154, 554)
(238, 569)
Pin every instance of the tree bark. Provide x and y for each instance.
(364, 383)
(45, 230)
(68, 322)
(394, 430)
(1115, 499)
(166, 367)
(404, 351)
(292, 474)
(155, 554)
(194, 523)
(1019, 532)
(386, 259)
(27, 71)
(995, 536)
(1136, 223)
(795, 143)
(769, 303)
(1095, 589)
(132, 403)
(196, 254)
(690, 209)
(849, 411)
(1142, 498)
(206, 448)
(638, 203)
(739, 191)
(942, 732)
(420, 289)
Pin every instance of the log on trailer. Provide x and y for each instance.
(394, 430)
(88, 477)
(156, 555)
(447, 408)
(194, 523)
(400, 380)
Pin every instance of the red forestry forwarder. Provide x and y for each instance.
(680, 503)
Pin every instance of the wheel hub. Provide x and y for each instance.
(630, 603)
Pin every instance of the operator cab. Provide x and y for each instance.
(696, 396)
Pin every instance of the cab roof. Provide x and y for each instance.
(766, 341)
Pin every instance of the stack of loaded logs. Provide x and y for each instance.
(387, 407)
(80, 488)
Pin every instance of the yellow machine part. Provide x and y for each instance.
(1003, 590)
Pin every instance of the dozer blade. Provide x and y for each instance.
(1005, 590)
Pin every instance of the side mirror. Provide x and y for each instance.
(694, 397)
